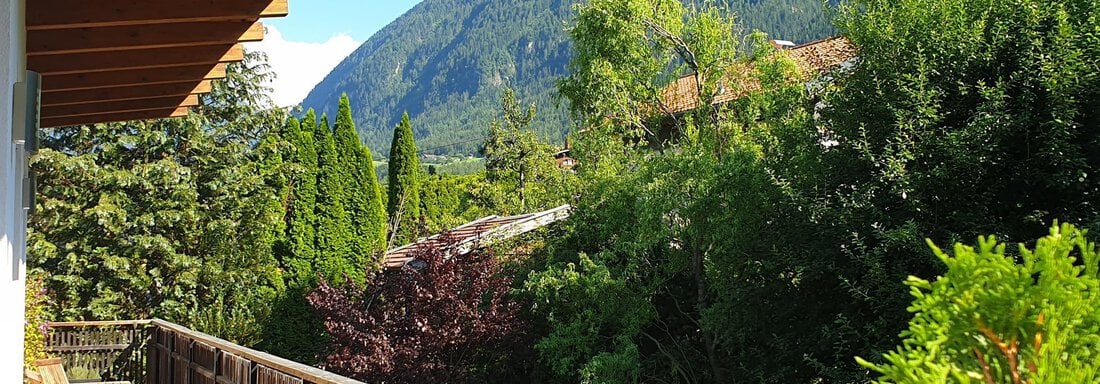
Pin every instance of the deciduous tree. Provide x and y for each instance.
(439, 319)
(518, 165)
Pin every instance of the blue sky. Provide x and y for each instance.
(315, 21)
(304, 46)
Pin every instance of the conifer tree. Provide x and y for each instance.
(295, 332)
(334, 230)
(404, 182)
(362, 198)
(301, 205)
(374, 218)
(999, 317)
(180, 229)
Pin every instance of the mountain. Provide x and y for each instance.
(445, 62)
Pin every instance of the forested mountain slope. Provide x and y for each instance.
(445, 62)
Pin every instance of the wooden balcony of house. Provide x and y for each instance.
(160, 352)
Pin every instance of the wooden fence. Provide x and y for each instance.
(160, 352)
(100, 351)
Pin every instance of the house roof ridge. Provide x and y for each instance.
(820, 41)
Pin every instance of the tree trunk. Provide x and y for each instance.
(703, 299)
(523, 190)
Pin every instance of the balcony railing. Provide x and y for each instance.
(160, 352)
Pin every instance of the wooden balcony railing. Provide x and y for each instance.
(100, 351)
(160, 352)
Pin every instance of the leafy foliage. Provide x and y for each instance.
(35, 318)
(448, 201)
(991, 318)
(989, 100)
(685, 238)
(448, 321)
(769, 240)
(518, 166)
(762, 240)
(598, 314)
(954, 125)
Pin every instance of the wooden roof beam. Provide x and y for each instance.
(56, 83)
(136, 59)
(68, 14)
(133, 92)
(111, 39)
(58, 111)
(113, 117)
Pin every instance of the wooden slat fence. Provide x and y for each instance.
(100, 351)
(160, 352)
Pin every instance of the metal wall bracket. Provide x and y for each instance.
(24, 132)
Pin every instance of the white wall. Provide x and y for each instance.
(13, 226)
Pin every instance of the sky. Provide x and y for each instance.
(305, 45)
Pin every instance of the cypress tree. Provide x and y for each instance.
(375, 215)
(334, 229)
(404, 180)
(362, 197)
(271, 166)
(301, 207)
(295, 332)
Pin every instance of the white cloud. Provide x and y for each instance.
(299, 66)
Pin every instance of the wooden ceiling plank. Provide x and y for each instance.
(135, 59)
(56, 83)
(119, 106)
(113, 117)
(68, 14)
(234, 54)
(204, 87)
(191, 101)
(220, 71)
(124, 93)
(277, 8)
(253, 34)
(109, 39)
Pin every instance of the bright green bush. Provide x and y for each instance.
(34, 324)
(1003, 318)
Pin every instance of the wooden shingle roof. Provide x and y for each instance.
(475, 234)
(812, 59)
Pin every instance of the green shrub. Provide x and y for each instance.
(1002, 318)
(34, 324)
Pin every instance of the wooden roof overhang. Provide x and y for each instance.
(116, 60)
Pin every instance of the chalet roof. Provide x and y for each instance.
(114, 60)
(477, 233)
(812, 59)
